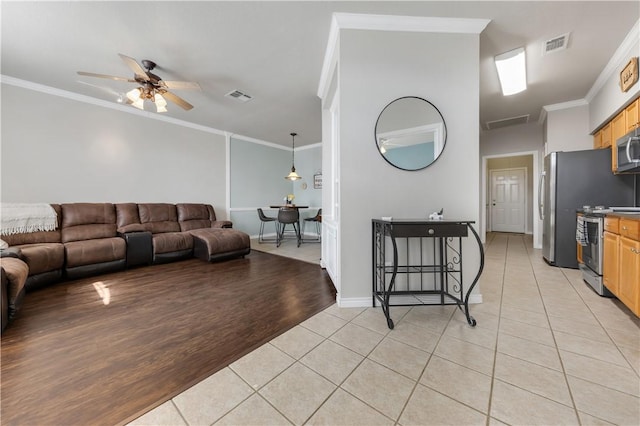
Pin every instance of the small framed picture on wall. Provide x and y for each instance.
(317, 181)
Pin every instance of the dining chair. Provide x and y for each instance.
(265, 219)
(288, 216)
(317, 219)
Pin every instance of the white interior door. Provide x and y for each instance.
(508, 199)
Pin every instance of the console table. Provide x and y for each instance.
(428, 255)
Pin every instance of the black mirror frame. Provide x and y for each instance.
(375, 133)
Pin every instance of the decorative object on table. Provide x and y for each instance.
(317, 181)
(293, 175)
(436, 215)
(410, 133)
(289, 199)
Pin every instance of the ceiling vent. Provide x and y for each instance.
(505, 122)
(556, 44)
(238, 95)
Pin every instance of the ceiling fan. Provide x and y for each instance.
(152, 87)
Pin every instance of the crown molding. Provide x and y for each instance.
(623, 53)
(356, 21)
(29, 85)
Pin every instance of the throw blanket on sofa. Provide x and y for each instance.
(26, 217)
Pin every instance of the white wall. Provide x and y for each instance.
(568, 129)
(375, 68)
(608, 99)
(60, 150)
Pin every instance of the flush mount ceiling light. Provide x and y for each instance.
(293, 175)
(512, 72)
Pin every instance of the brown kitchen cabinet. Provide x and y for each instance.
(610, 261)
(618, 130)
(629, 279)
(631, 115)
(621, 260)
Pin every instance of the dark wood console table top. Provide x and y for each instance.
(288, 206)
(431, 254)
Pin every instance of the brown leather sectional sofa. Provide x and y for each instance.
(95, 238)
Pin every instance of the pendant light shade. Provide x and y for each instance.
(293, 175)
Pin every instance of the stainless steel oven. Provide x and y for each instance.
(593, 230)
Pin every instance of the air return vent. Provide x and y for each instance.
(238, 95)
(505, 122)
(556, 44)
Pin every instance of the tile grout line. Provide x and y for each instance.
(553, 335)
(495, 351)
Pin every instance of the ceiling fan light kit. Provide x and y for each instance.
(152, 88)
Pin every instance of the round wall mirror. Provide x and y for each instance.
(410, 133)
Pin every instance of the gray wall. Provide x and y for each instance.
(568, 129)
(257, 180)
(60, 150)
(375, 68)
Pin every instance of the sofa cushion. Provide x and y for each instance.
(195, 216)
(127, 218)
(159, 217)
(43, 257)
(87, 221)
(87, 252)
(215, 243)
(168, 242)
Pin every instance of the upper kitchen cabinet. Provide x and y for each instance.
(631, 115)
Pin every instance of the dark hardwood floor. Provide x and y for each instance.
(106, 349)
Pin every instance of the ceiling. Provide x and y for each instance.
(274, 51)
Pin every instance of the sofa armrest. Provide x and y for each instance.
(11, 252)
(222, 224)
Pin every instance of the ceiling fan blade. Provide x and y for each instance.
(181, 85)
(111, 77)
(177, 100)
(135, 66)
(104, 89)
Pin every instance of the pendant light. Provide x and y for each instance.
(293, 175)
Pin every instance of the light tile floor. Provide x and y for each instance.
(547, 350)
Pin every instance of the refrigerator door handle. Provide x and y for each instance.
(540, 200)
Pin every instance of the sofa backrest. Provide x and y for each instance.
(128, 218)
(37, 237)
(86, 221)
(195, 216)
(158, 218)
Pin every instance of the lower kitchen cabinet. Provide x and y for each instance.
(629, 270)
(610, 261)
(621, 259)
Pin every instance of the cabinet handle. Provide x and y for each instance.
(431, 232)
(633, 250)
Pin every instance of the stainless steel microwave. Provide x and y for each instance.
(628, 159)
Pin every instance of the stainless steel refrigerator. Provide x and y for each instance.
(570, 181)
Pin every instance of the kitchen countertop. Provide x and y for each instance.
(626, 215)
